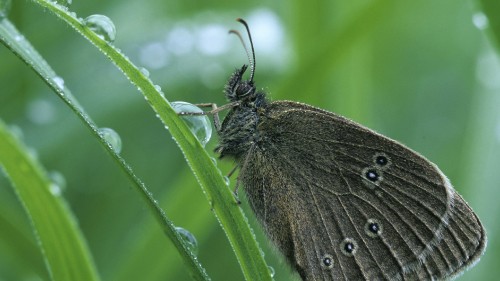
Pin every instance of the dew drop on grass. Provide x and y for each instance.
(4, 8)
(198, 124)
(59, 82)
(271, 270)
(144, 71)
(55, 189)
(214, 160)
(112, 138)
(58, 179)
(189, 238)
(102, 26)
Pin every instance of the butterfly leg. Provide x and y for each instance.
(215, 111)
(235, 191)
(243, 165)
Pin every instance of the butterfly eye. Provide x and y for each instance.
(348, 247)
(327, 261)
(372, 175)
(381, 160)
(373, 228)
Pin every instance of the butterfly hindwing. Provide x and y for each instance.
(379, 214)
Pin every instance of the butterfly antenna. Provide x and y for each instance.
(237, 33)
(251, 58)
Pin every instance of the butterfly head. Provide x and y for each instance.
(238, 89)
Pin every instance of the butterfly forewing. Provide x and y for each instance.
(382, 211)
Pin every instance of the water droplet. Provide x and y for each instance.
(158, 88)
(102, 26)
(227, 180)
(59, 82)
(271, 271)
(480, 20)
(55, 189)
(112, 138)
(4, 8)
(58, 179)
(198, 124)
(261, 252)
(144, 71)
(189, 238)
(19, 38)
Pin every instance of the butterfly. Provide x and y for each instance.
(340, 201)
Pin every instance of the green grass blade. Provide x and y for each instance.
(63, 245)
(21, 47)
(227, 211)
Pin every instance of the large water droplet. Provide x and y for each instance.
(112, 138)
(102, 26)
(198, 124)
(189, 238)
(4, 8)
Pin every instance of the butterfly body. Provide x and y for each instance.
(340, 201)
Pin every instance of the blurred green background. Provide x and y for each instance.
(425, 73)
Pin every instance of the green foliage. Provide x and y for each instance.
(419, 72)
(62, 246)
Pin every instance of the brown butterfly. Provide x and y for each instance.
(340, 201)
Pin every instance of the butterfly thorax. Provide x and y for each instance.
(238, 132)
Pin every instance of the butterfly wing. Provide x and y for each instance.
(343, 202)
